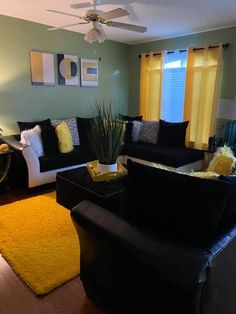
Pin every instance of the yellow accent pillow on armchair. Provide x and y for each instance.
(223, 161)
(65, 142)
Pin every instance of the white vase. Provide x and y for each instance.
(106, 168)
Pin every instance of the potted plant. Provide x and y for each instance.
(106, 137)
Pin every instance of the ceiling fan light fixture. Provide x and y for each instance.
(95, 34)
(101, 35)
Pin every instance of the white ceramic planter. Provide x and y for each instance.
(106, 168)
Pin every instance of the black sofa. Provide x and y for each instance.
(42, 170)
(172, 252)
(31, 171)
(178, 158)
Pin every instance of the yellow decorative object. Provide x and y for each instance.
(100, 176)
(4, 147)
(39, 241)
(64, 136)
(223, 161)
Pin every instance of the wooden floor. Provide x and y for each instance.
(17, 298)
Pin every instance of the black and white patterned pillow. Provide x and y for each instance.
(149, 132)
(72, 124)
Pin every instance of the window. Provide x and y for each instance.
(173, 86)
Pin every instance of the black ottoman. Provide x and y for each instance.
(76, 185)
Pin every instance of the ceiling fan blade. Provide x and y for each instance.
(113, 14)
(88, 4)
(129, 27)
(55, 11)
(69, 25)
(81, 5)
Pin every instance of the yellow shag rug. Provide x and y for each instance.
(39, 241)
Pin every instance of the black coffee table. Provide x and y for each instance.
(76, 185)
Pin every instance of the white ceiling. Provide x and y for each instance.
(163, 18)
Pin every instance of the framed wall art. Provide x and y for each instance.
(89, 72)
(42, 68)
(67, 66)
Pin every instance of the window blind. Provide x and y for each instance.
(173, 86)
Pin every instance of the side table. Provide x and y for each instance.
(5, 164)
(76, 185)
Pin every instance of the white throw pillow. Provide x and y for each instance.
(136, 130)
(32, 137)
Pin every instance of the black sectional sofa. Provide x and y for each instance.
(177, 158)
(42, 170)
(172, 251)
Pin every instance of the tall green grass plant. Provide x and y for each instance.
(106, 134)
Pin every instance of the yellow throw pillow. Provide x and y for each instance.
(65, 142)
(223, 161)
(222, 165)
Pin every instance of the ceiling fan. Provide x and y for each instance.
(96, 18)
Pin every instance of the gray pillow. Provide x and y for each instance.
(136, 130)
(149, 132)
(72, 124)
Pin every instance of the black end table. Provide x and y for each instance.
(76, 185)
(5, 166)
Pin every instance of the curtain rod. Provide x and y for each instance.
(184, 50)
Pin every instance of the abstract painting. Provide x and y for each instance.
(67, 66)
(89, 72)
(42, 68)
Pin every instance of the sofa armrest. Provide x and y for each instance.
(29, 157)
(181, 265)
(221, 241)
(13, 142)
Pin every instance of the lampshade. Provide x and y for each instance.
(226, 109)
(96, 33)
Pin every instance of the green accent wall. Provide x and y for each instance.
(19, 100)
(227, 86)
(118, 71)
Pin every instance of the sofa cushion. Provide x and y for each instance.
(136, 131)
(84, 125)
(72, 124)
(175, 205)
(172, 134)
(32, 138)
(81, 154)
(129, 126)
(130, 118)
(149, 132)
(169, 156)
(64, 138)
(128, 131)
(29, 125)
(49, 138)
(223, 161)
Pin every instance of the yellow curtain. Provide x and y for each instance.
(150, 86)
(201, 94)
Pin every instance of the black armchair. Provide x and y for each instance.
(127, 267)
(125, 270)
